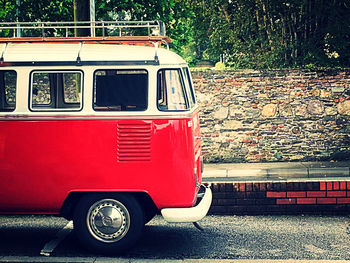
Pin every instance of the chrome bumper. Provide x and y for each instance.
(189, 214)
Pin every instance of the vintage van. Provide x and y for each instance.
(102, 130)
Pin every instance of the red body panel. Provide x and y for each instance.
(42, 161)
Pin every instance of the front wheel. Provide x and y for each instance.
(108, 223)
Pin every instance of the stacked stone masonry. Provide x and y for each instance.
(276, 115)
(281, 198)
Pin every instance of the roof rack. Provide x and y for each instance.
(120, 32)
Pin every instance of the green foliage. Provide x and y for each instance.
(269, 34)
(7, 10)
(219, 66)
(43, 10)
(175, 13)
(242, 33)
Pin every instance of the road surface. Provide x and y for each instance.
(225, 237)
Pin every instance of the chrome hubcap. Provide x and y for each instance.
(108, 220)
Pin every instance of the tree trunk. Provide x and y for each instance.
(81, 13)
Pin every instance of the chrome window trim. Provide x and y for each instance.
(15, 104)
(119, 69)
(30, 97)
(183, 87)
(99, 116)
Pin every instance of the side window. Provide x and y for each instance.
(8, 84)
(56, 90)
(189, 87)
(120, 90)
(171, 93)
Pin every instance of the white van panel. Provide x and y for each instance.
(70, 52)
(28, 52)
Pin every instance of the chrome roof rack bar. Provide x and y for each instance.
(96, 28)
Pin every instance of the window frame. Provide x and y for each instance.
(11, 106)
(187, 76)
(44, 107)
(119, 69)
(188, 108)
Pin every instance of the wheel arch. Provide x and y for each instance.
(72, 199)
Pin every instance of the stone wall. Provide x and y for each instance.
(277, 115)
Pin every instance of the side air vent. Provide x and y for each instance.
(134, 142)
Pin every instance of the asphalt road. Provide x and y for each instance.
(225, 237)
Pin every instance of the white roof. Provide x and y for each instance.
(51, 52)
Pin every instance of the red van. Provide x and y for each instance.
(102, 130)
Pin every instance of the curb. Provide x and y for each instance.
(275, 174)
(279, 188)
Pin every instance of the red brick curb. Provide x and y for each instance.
(281, 198)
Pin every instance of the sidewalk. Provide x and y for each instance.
(275, 172)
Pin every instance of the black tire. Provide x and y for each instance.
(108, 223)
